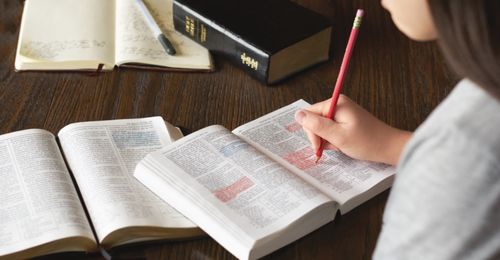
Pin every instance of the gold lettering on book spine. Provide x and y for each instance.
(203, 33)
(190, 25)
(249, 61)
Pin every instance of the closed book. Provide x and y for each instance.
(269, 39)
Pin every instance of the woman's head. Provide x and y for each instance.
(468, 32)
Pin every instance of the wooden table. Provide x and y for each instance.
(398, 80)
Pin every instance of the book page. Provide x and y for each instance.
(102, 156)
(74, 32)
(136, 43)
(349, 182)
(231, 190)
(39, 203)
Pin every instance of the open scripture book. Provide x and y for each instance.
(257, 188)
(82, 35)
(41, 211)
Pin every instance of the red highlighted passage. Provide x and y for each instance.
(293, 127)
(301, 159)
(230, 192)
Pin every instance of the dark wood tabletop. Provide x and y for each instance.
(398, 80)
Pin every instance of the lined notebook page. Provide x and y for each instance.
(77, 32)
(135, 42)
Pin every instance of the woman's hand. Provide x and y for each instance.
(354, 131)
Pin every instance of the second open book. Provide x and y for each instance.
(257, 188)
(41, 211)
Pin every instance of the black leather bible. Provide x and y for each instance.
(269, 39)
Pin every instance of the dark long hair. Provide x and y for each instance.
(469, 36)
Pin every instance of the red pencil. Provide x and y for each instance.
(342, 72)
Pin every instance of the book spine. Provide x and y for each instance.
(219, 40)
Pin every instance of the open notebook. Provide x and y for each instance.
(81, 35)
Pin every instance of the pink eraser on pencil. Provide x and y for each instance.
(360, 13)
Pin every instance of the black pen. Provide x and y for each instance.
(167, 45)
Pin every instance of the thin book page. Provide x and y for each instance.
(102, 156)
(342, 178)
(39, 202)
(238, 189)
(136, 43)
(69, 31)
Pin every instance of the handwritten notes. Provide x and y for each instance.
(75, 34)
(44, 50)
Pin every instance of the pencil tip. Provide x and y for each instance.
(317, 159)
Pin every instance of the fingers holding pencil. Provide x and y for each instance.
(353, 131)
(317, 126)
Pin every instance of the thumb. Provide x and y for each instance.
(316, 125)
